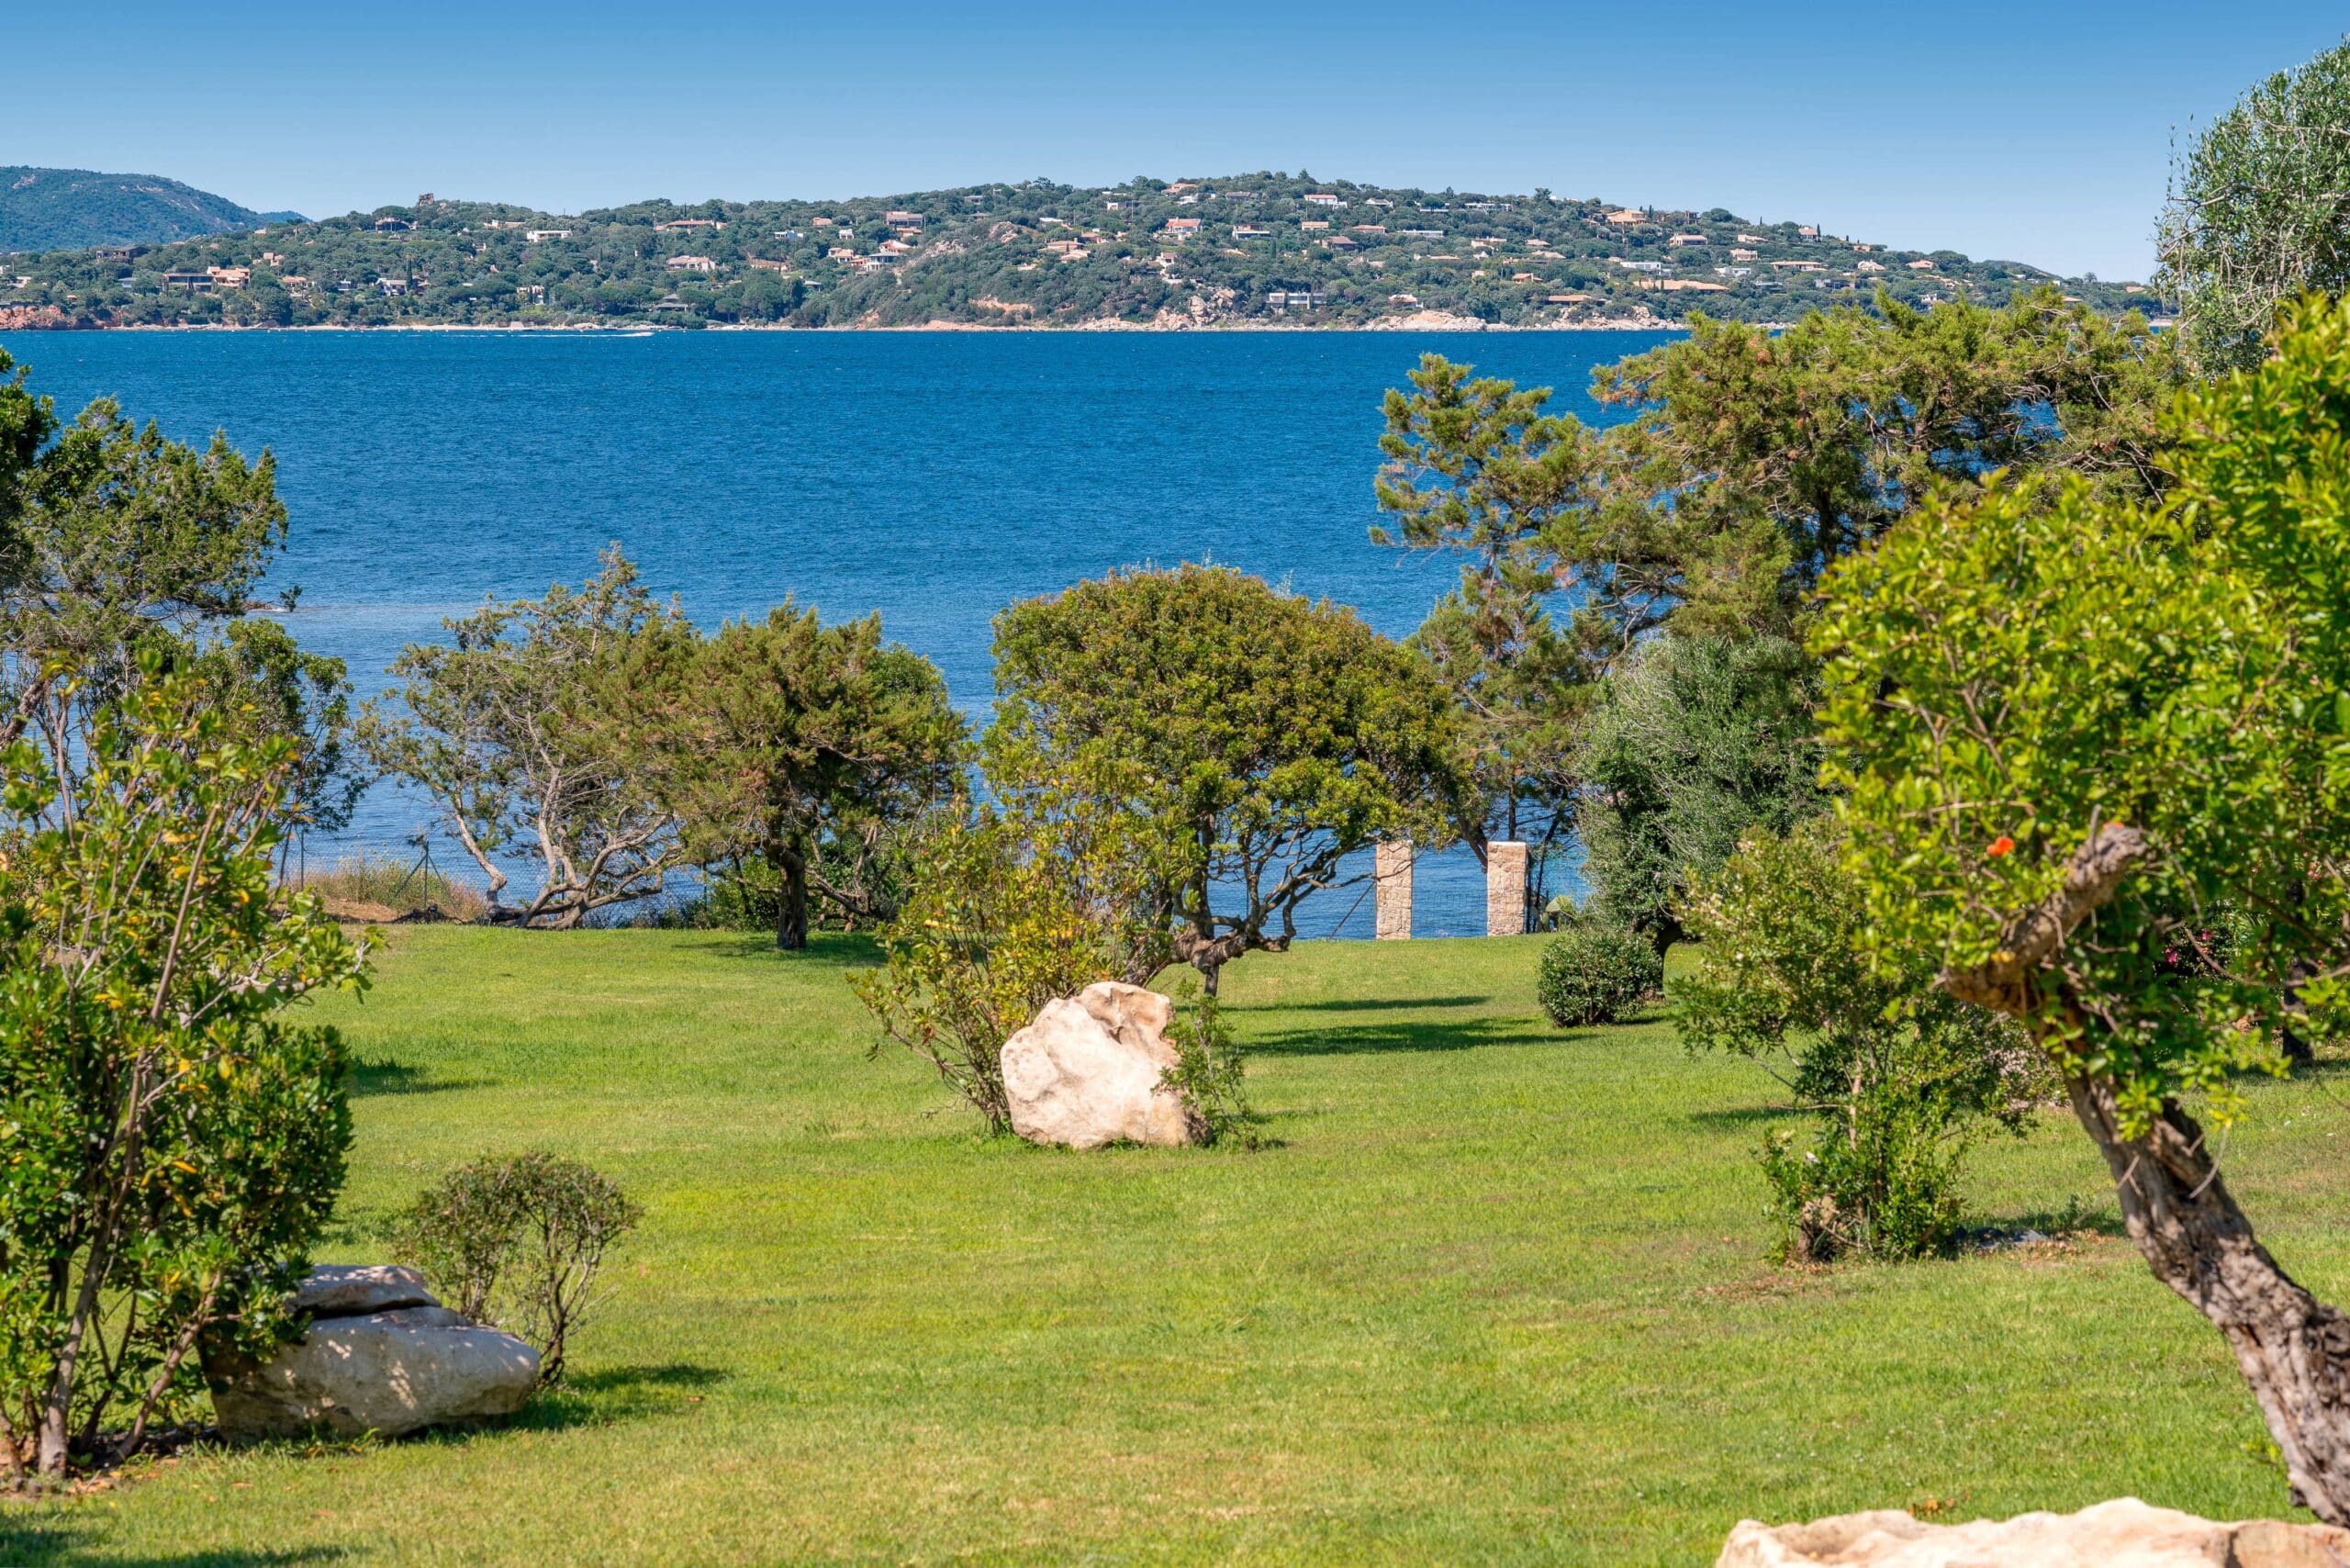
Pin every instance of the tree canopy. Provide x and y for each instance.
(2073, 727)
(1264, 737)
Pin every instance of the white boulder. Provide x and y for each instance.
(1089, 1071)
(2125, 1533)
(380, 1355)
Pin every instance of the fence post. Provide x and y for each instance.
(1391, 876)
(1505, 889)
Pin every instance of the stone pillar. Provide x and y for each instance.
(1505, 890)
(1391, 881)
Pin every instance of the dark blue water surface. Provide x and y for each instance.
(934, 476)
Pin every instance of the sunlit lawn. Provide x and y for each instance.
(1496, 1293)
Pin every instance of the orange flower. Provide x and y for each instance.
(2001, 846)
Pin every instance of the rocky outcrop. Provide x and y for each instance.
(2126, 1533)
(380, 1355)
(1089, 1071)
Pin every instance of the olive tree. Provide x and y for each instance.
(2259, 212)
(796, 738)
(2072, 728)
(1266, 738)
(173, 1144)
(543, 724)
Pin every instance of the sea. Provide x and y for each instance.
(933, 476)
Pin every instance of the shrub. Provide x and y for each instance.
(519, 1243)
(1596, 972)
(1207, 1070)
(173, 1144)
(1901, 1077)
(1009, 908)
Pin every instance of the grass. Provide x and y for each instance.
(1496, 1295)
(401, 886)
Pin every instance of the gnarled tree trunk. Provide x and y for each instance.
(2292, 1349)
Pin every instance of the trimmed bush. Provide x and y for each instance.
(1595, 972)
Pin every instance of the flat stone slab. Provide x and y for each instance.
(353, 1290)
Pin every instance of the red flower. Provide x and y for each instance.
(2001, 846)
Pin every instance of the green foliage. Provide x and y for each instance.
(518, 1242)
(1012, 906)
(2259, 212)
(1476, 466)
(1697, 741)
(1260, 738)
(111, 538)
(2028, 672)
(1901, 1077)
(273, 687)
(174, 1146)
(547, 723)
(809, 749)
(1209, 1070)
(1596, 972)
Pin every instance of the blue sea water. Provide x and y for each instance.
(933, 477)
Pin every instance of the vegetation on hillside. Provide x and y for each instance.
(1255, 248)
(60, 209)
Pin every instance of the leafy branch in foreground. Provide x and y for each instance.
(173, 1146)
(2075, 728)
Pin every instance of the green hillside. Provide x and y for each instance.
(1253, 248)
(50, 210)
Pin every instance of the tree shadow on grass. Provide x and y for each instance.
(1380, 1004)
(611, 1394)
(825, 950)
(1408, 1034)
(1745, 1115)
(37, 1543)
(386, 1076)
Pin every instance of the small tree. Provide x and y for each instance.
(1477, 467)
(1697, 740)
(173, 1146)
(1265, 739)
(1013, 905)
(2259, 212)
(1902, 1077)
(2074, 729)
(546, 725)
(798, 738)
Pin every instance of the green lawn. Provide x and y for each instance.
(1497, 1293)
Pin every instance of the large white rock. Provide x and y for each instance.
(2125, 1533)
(387, 1372)
(1088, 1071)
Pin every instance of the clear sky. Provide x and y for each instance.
(2035, 133)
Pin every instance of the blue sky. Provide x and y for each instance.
(2037, 132)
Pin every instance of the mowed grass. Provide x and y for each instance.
(1496, 1293)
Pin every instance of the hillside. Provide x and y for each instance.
(50, 209)
(1251, 250)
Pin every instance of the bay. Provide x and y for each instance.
(933, 477)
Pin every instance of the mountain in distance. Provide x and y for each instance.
(53, 209)
(1254, 250)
